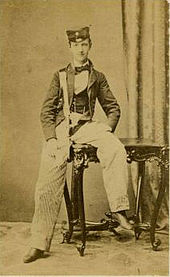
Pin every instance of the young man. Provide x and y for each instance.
(67, 116)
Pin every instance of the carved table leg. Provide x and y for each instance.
(164, 179)
(141, 174)
(68, 234)
(79, 180)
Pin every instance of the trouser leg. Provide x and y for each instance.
(113, 161)
(48, 195)
(112, 156)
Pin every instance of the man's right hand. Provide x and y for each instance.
(52, 147)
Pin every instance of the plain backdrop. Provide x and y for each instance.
(33, 47)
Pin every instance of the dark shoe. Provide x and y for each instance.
(120, 217)
(33, 255)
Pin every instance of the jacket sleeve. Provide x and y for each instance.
(49, 108)
(108, 102)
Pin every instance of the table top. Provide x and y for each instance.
(140, 142)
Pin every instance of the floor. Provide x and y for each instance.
(106, 254)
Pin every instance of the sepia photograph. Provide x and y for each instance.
(84, 187)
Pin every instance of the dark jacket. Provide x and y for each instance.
(52, 109)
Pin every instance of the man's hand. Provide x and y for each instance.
(52, 147)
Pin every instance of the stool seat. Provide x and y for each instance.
(83, 146)
(85, 151)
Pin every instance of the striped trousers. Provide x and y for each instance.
(52, 174)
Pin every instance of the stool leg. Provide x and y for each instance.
(141, 174)
(79, 181)
(74, 197)
(68, 234)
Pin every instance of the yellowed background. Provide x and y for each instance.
(34, 46)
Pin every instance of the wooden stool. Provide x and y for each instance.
(81, 155)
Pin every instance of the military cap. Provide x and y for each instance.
(78, 34)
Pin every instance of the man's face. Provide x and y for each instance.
(80, 50)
